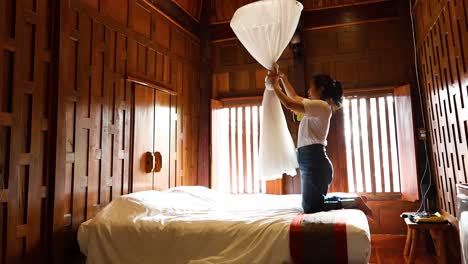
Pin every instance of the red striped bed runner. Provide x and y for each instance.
(318, 238)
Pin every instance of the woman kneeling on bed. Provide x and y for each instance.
(324, 97)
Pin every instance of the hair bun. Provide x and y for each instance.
(332, 90)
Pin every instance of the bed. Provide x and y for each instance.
(197, 225)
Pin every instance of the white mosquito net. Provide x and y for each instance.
(265, 28)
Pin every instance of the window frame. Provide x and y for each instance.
(229, 103)
(406, 146)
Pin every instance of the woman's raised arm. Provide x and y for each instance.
(294, 104)
(290, 91)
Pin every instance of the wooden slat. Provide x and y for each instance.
(236, 147)
(244, 149)
(6, 119)
(258, 138)
(231, 147)
(371, 144)
(352, 147)
(252, 152)
(361, 143)
(380, 139)
(13, 247)
(151, 85)
(389, 145)
(24, 159)
(21, 231)
(4, 196)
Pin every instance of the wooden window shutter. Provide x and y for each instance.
(406, 143)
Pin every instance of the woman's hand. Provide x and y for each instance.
(282, 76)
(272, 78)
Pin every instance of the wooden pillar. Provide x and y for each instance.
(204, 136)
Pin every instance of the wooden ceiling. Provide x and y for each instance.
(317, 14)
(222, 10)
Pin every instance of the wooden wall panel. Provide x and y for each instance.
(99, 50)
(236, 73)
(322, 4)
(360, 56)
(442, 34)
(26, 58)
(192, 7)
(223, 10)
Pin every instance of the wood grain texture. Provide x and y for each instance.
(223, 10)
(193, 8)
(26, 127)
(144, 137)
(407, 155)
(442, 42)
(95, 156)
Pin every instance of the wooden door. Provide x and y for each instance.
(162, 139)
(144, 116)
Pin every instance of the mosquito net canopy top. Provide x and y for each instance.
(265, 28)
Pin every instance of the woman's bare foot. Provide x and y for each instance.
(361, 205)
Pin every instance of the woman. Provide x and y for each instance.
(324, 97)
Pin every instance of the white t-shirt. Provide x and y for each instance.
(314, 126)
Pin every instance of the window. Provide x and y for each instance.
(371, 144)
(235, 144)
(379, 139)
(375, 128)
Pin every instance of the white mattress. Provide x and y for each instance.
(197, 225)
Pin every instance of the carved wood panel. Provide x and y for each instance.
(98, 52)
(26, 59)
(443, 42)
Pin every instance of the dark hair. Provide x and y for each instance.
(332, 90)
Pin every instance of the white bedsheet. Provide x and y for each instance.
(197, 225)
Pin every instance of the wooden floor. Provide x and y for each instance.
(388, 249)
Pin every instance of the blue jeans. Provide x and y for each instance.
(316, 176)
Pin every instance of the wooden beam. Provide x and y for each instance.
(370, 12)
(155, 86)
(352, 23)
(349, 14)
(205, 122)
(176, 15)
(346, 5)
(188, 12)
(221, 32)
(241, 101)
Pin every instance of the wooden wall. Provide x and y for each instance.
(102, 44)
(361, 56)
(369, 52)
(192, 7)
(26, 129)
(66, 111)
(223, 10)
(442, 42)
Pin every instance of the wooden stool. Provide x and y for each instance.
(437, 232)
